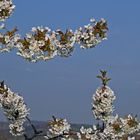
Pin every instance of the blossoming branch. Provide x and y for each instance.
(43, 43)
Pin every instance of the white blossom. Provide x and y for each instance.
(9, 40)
(91, 134)
(103, 103)
(37, 45)
(130, 124)
(14, 109)
(117, 127)
(86, 133)
(59, 127)
(6, 9)
(64, 42)
(92, 34)
(16, 129)
(114, 128)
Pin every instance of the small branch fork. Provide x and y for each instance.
(36, 132)
(104, 77)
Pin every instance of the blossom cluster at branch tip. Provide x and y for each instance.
(14, 109)
(102, 106)
(6, 9)
(92, 34)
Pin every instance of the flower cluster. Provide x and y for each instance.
(58, 127)
(103, 99)
(37, 45)
(92, 34)
(103, 103)
(6, 9)
(85, 133)
(14, 109)
(91, 134)
(131, 124)
(8, 40)
(114, 127)
(64, 42)
(118, 128)
(43, 44)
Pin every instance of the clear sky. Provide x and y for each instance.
(64, 86)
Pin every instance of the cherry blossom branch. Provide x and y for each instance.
(43, 44)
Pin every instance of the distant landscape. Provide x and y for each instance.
(40, 125)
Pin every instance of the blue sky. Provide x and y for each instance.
(64, 86)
